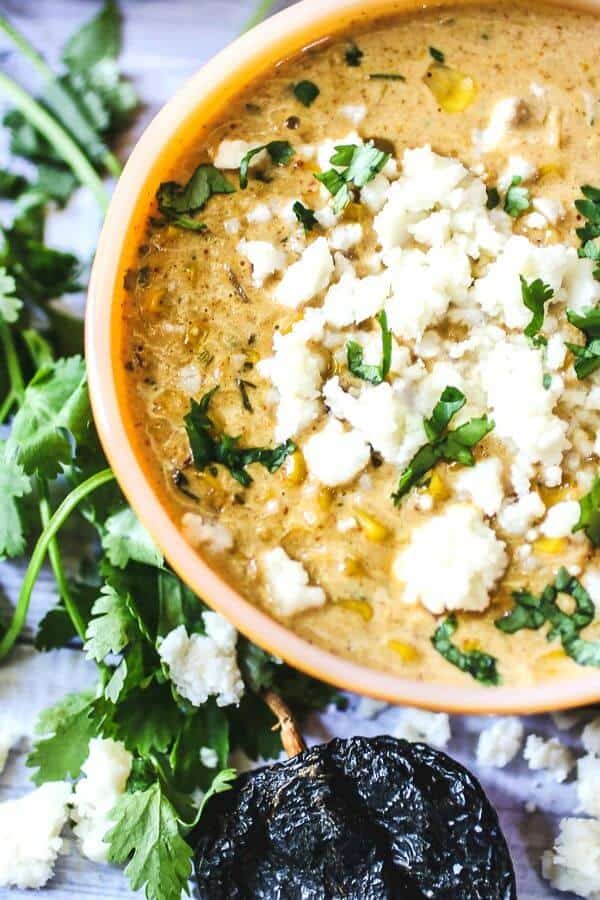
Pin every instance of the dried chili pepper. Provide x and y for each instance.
(361, 819)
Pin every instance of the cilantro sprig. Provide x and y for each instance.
(305, 215)
(211, 447)
(587, 356)
(280, 152)
(354, 354)
(481, 666)
(589, 207)
(359, 164)
(531, 612)
(589, 513)
(449, 445)
(517, 199)
(177, 202)
(535, 294)
(306, 92)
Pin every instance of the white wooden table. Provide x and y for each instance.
(165, 41)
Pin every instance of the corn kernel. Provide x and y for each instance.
(553, 495)
(353, 567)
(550, 663)
(295, 467)
(551, 169)
(372, 527)
(358, 606)
(469, 645)
(325, 498)
(550, 546)
(252, 356)
(453, 90)
(438, 488)
(406, 652)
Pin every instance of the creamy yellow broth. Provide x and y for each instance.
(195, 320)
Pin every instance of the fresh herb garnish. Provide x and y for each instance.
(589, 208)
(354, 352)
(547, 381)
(280, 152)
(306, 92)
(437, 55)
(243, 386)
(533, 612)
(535, 294)
(589, 516)
(177, 201)
(493, 198)
(386, 76)
(360, 164)
(587, 356)
(305, 215)
(517, 198)
(353, 54)
(210, 447)
(476, 663)
(451, 446)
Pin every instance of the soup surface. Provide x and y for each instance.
(357, 382)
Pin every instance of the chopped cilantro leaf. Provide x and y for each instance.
(209, 447)
(386, 76)
(493, 197)
(535, 295)
(177, 201)
(361, 163)
(14, 484)
(280, 152)
(479, 665)
(125, 539)
(66, 729)
(305, 215)
(354, 352)
(437, 55)
(451, 446)
(10, 305)
(532, 612)
(11, 184)
(587, 356)
(589, 208)
(306, 92)
(547, 381)
(353, 54)
(589, 516)
(517, 198)
(110, 628)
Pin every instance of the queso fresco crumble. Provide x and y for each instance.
(362, 343)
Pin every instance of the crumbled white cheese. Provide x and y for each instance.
(343, 237)
(512, 375)
(189, 379)
(335, 456)
(552, 210)
(104, 776)
(348, 523)
(259, 214)
(230, 154)
(307, 277)
(288, 583)
(561, 519)
(264, 257)
(209, 757)
(295, 369)
(482, 485)
(204, 665)
(352, 300)
(354, 113)
(418, 298)
(517, 517)
(10, 734)
(30, 839)
(500, 743)
(590, 736)
(550, 755)
(469, 560)
(418, 725)
(374, 194)
(231, 226)
(588, 784)
(198, 531)
(376, 413)
(502, 116)
(574, 862)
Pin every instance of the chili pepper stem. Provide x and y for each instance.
(291, 739)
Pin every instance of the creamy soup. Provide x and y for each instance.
(355, 377)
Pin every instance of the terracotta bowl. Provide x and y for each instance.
(197, 103)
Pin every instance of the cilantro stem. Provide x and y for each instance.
(20, 41)
(56, 522)
(17, 385)
(260, 13)
(56, 561)
(60, 139)
(9, 400)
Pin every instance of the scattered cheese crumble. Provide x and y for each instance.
(500, 743)
(574, 862)
(288, 583)
(418, 725)
(550, 755)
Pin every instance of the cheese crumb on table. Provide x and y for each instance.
(550, 755)
(573, 864)
(288, 583)
(500, 743)
(468, 556)
(590, 736)
(204, 665)
(588, 784)
(30, 839)
(104, 777)
(418, 725)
